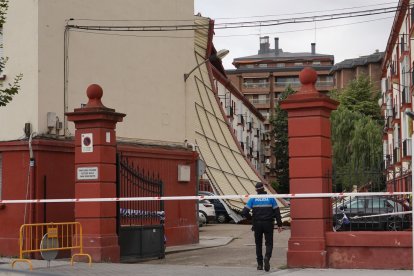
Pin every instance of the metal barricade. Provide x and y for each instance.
(60, 236)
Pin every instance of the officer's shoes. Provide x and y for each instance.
(259, 265)
(266, 264)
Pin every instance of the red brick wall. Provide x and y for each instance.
(54, 164)
(369, 250)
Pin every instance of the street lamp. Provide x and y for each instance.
(411, 115)
(219, 55)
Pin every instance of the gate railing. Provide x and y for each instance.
(367, 213)
(135, 182)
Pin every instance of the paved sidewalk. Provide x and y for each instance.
(235, 251)
(104, 269)
(205, 242)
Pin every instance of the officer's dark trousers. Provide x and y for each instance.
(263, 228)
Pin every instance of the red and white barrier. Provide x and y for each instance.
(310, 195)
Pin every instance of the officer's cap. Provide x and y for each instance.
(259, 186)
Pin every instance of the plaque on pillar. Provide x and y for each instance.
(87, 173)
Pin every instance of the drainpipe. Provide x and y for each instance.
(31, 179)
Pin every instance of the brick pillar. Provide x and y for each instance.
(95, 169)
(310, 161)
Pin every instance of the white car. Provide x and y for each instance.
(207, 209)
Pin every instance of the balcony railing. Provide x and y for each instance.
(286, 84)
(407, 150)
(260, 101)
(324, 84)
(255, 85)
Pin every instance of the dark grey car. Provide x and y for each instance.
(362, 214)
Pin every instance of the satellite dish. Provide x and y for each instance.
(47, 243)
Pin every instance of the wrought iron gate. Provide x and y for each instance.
(140, 223)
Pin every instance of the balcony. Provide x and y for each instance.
(324, 85)
(406, 97)
(284, 85)
(256, 85)
(260, 101)
(396, 156)
(388, 122)
(395, 113)
(407, 150)
(387, 161)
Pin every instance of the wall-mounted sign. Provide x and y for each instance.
(87, 142)
(184, 173)
(87, 173)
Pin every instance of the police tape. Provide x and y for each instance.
(164, 198)
(382, 215)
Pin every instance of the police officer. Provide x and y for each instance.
(264, 210)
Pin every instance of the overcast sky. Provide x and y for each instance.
(348, 41)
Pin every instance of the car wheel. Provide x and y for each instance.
(202, 218)
(221, 218)
(393, 224)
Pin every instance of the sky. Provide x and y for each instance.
(353, 39)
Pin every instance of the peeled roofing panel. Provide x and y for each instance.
(216, 129)
(229, 172)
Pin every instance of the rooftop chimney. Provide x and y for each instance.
(313, 46)
(276, 45)
(264, 45)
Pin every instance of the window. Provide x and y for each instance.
(356, 203)
(262, 65)
(280, 65)
(316, 63)
(298, 63)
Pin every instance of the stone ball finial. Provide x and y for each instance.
(308, 76)
(94, 93)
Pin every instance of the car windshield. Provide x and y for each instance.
(357, 203)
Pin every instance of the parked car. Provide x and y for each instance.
(207, 209)
(358, 207)
(221, 214)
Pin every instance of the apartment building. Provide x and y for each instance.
(263, 77)
(396, 101)
(350, 69)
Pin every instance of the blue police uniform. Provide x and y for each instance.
(264, 211)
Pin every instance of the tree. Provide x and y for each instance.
(281, 150)
(6, 94)
(356, 135)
